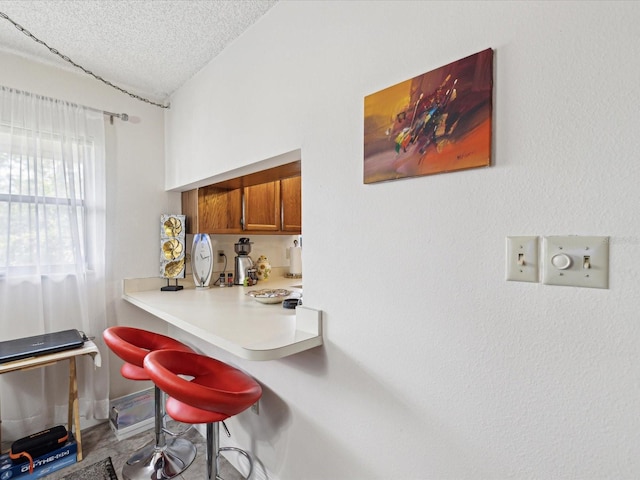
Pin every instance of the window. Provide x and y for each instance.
(42, 202)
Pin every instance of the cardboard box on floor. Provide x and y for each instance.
(132, 413)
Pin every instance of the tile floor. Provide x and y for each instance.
(99, 442)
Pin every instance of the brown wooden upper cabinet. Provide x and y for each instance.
(212, 210)
(291, 204)
(262, 207)
(265, 208)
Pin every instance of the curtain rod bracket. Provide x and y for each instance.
(122, 116)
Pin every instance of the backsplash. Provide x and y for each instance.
(274, 247)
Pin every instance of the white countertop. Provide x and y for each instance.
(228, 318)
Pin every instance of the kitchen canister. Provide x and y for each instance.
(263, 268)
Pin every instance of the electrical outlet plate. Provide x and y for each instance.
(576, 261)
(220, 256)
(522, 259)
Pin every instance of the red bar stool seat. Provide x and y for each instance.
(162, 459)
(215, 392)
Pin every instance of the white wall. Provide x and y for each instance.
(135, 152)
(434, 366)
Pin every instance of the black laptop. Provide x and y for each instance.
(12, 350)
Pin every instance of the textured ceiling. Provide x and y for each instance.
(150, 47)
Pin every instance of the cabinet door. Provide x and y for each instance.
(262, 207)
(219, 210)
(291, 193)
(190, 209)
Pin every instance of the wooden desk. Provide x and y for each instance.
(89, 348)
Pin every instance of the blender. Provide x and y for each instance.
(243, 260)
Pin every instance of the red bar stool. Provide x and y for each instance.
(162, 459)
(215, 392)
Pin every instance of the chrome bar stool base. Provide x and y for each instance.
(160, 463)
(164, 458)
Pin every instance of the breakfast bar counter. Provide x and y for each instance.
(229, 319)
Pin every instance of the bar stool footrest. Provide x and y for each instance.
(241, 452)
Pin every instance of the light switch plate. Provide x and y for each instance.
(575, 261)
(522, 259)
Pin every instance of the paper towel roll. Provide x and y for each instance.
(295, 260)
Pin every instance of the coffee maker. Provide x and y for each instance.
(243, 260)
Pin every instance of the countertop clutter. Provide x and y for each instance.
(230, 319)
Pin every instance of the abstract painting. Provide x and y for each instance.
(437, 122)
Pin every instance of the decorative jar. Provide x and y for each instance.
(263, 268)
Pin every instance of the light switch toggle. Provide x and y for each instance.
(522, 259)
(586, 262)
(561, 261)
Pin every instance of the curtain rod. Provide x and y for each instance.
(122, 116)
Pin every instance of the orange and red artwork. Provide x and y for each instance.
(437, 122)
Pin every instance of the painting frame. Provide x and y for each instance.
(438, 122)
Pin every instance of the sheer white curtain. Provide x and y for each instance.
(52, 251)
